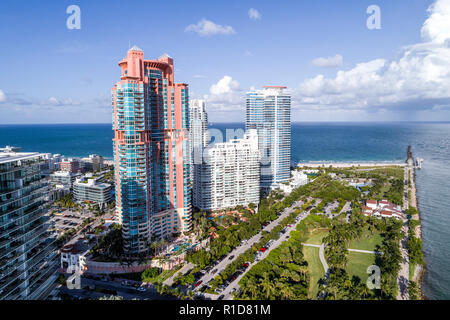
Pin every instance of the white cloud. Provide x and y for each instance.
(53, 101)
(418, 80)
(254, 14)
(3, 97)
(225, 95)
(335, 61)
(247, 53)
(199, 76)
(208, 28)
(437, 27)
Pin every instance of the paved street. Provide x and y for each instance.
(128, 292)
(183, 270)
(245, 246)
(235, 284)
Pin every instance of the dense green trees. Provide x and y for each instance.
(414, 245)
(282, 275)
(339, 284)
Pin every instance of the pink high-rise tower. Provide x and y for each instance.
(151, 151)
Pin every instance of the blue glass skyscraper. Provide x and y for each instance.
(269, 111)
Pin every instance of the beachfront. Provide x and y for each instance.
(349, 164)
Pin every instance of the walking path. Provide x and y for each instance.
(354, 250)
(324, 263)
(403, 275)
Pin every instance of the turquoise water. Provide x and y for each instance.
(313, 142)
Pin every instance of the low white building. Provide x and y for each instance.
(93, 163)
(382, 209)
(73, 256)
(65, 178)
(90, 189)
(299, 178)
(229, 174)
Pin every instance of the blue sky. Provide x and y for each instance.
(51, 74)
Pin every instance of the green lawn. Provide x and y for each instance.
(316, 236)
(358, 263)
(315, 269)
(367, 241)
(412, 269)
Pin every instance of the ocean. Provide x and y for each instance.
(346, 142)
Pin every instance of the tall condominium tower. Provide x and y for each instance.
(198, 131)
(151, 151)
(269, 112)
(229, 174)
(28, 255)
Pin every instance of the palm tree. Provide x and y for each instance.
(285, 290)
(365, 291)
(267, 285)
(303, 269)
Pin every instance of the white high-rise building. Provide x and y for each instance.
(229, 174)
(198, 131)
(269, 112)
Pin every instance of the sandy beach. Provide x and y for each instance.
(349, 164)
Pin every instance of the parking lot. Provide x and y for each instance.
(64, 220)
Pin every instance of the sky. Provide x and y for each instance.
(335, 67)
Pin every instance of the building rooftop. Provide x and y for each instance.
(135, 48)
(6, 157)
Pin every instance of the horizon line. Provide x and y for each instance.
(212, 122)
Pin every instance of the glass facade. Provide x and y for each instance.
(28, 256)
(151, 122)
(269, 112)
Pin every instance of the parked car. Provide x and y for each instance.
(231, 257)
(198, 283)
(262, 249)
(220, 297)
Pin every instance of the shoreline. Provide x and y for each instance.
(337, 164)
(420, 270)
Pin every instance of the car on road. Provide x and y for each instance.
(231, 257)
(221, 297)
(198, 283)
(262, 249)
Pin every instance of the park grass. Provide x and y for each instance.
(315, 270)
(316, 236)
(367, 241)
(358, 263)
(412, 269)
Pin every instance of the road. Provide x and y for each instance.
(125, 291)
(244, 247)
(183, 270)
(227, 293)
